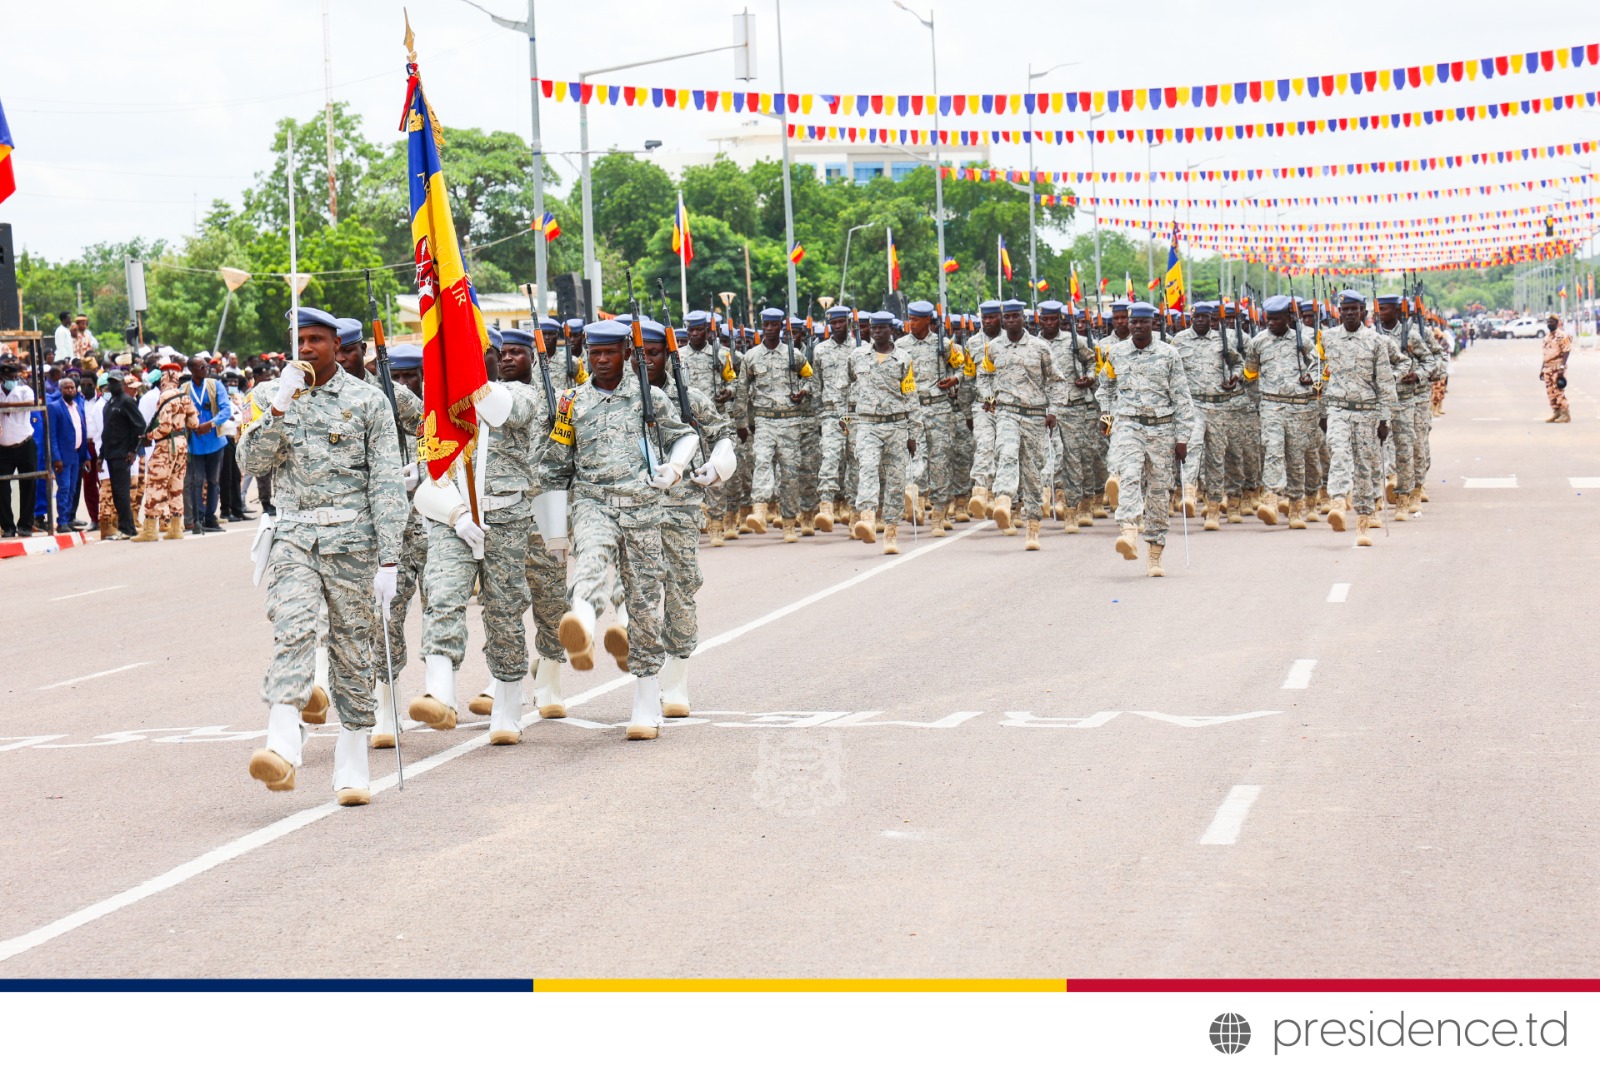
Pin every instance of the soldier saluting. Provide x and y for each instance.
(328, 443)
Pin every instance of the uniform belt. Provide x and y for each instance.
(929, 398)
(1022, 409)
(1087, 401)
(1355, 405)
(495, 503)
(321, 516)
(1409, 392)
(790, 413)
(880, 419)
(1149, 420)
(1285, 398)
(1215, 397)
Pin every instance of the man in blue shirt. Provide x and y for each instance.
(202, 486)
(69, 450)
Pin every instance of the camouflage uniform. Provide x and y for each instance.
(333, 451)
(505, 507)
(1289, 410)
(1148, 397)
(981, 396)
(616, 514)
(680, 533)
(414, 545)
(778, 445)
(810, 443)
(833, 366)
(1077, 432)
(1554, 352)
(1413, 416)
(1023, 380)
(966, 394)
(885, 418)
(939, 444)
(716, 373)
(1359, 394)
(168, 462)
(544, 573)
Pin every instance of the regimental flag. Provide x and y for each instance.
(453, 334)
(1175, 288)
(1562, 292)
(549, 227)
(1005, 260)
(951, 266)
(1151, 284)
(1103, 283)
(894, 264)
(1042, 285)
(1077, 287)
(682, 242)
(8, 180)
(797, 253)
(1127, 284)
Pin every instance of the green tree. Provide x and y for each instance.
(722, 191)
(633, 198)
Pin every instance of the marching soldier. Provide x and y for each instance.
(328, 443)
(810, 431)
(168, 461)
(616, 473)
(1220, 405)
(937, 383)
(778, 392)
(1416, 366)
(833, 364)
(405, 361)
(982, 411)
(883, 386)
(1023, 376)
(1077, 428)
(1285, 369)
(1153, 421)
(1359, 396)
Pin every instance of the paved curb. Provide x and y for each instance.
(41, 545)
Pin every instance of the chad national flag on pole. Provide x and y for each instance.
(8, 180)
(1174, 274)
(453, 334)
(1005, 259)
(682, 242)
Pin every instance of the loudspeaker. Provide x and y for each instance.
(569, 297)
(895, 304)
(10, 301)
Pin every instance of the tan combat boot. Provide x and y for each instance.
(1323, 501)
(1190, 507)
(1422, 494)
(1363, 523)
(1400, 506)
(1375, 519)
(824, 519)
(910, 508)
(1002, 512)
(1213, 515)
(1113, 494)
(1309, 511)
(944, 523)
(891, 539)
(1297, 514)
(1413, 503)
(808, 523)
(863, 529)
(1235, 514)
(936, 522)
(1127, 543)
(714, 531)
(107, 529)
(1060, 508)
(1086, 512)
(1336, 514)
(1267, 509)
(756, 520)
(1389, 494)
(978, 505)
(790, 534)
(1032, 544)
(1152, 565)
(1100, 506)
(1173, 502)
(174, 529)
(958, 509)
(1074, 513)
(147, 532)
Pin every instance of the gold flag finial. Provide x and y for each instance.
(411, 38)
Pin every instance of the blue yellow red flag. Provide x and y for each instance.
(682, 242)
(453, 333)
(8, 179)
(1175, 287)
(1005, 259)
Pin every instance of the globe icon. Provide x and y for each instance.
(1230, 1033)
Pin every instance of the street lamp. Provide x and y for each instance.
(540, 252)
(1188, 217)
(1033, 225)
(1094, 194)
(845, 270)
(938, 171)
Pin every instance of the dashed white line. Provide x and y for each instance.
(1300, 674)
(1584, 482)
(91, 592)
(1225, 827)
(90, 677)
(15, 946)
(1339, 593)
(1490, 482)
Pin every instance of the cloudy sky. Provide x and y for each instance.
(128, 116)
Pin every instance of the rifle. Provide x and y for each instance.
(1405, 316)
(384, 380)
(1163, 314)
(647, 404)
(1222, 331)
(1299, 342)
(544, 361)
(676, 362)
(1077, 350)
(1238, 320)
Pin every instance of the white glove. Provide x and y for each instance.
(470, 532)
(705, 475)
(667, 476)
(408, 473)
(290, 381)
(385, 586)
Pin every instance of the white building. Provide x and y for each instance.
(758, 139)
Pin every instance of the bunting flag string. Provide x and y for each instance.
(1546, 105)
(1217, 94)
(1125, 202)
(1297, 265)
(1571, 222)
(1317, 170)
(1539, 211)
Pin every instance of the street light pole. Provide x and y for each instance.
(1094, 193)
(938, 169)
(788, 192)
(1033, 195)
(845, 270)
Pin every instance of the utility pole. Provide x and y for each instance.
(327, 114)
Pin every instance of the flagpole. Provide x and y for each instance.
(294, 262)
(889, 261)
(999, 268)
(683, 264)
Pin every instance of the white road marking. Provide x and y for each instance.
(1339, 593)
(10, 949)
(1486, 419)
(91, 592)
(1584, 482)
(1300, 674)
(1490, 482)
(90, 677)
(1224, 828)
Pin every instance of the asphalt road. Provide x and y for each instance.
(1290, 758)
